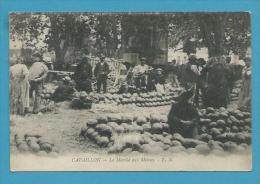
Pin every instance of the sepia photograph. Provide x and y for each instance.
(157, 91)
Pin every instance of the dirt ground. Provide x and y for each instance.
(63, 125)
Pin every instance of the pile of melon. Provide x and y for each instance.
(81, 100)
(47, 105)
(48, 91)
(30, 143)
(228, 126)
(150, 99)
(150, 134)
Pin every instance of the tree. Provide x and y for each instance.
(219, 32)
(108, 33)
(27, 28)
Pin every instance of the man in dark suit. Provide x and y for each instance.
(83, 75)
(101, 72)
(184, 117)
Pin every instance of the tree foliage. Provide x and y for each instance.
(221, 33)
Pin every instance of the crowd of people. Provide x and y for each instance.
(28, 83)
(215, 80)
(210, 80)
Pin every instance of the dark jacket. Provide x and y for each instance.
(98, 72)
(183, 111)
(83, 72)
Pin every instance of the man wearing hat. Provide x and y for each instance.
(191, 76)
(139, 74)
(37, 73)
(83, 75)
(101, 72)
(183, 117)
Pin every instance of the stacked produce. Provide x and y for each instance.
(125, 133)
(47, 105)
(35, 144)
(236, 90)
(228, 127)
(48, 91)
(150, 134)
(81, 100)
(151, 99)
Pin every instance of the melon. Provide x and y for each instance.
(234, 120)
(157, 128)
(215, 132)
(102, 141)
(83, 131)
(35, 147)
(140, 120)
(154, 118)
(127, 150)
(90, 131)
(178, 137)
(104, 129)
(190, 143)
(234, 129)
(102, 119)
(114, 118)
(203, 149)
(229, 146)
(23, 147)
(223, 115)
(221, 123)
(126, 119)
(165, 126)
(210, 110)
(46, 147)
(213, 124)
(91, 122)
(205, 137)
(147, 126)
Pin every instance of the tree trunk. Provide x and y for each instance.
(60, 57)
(212, 29)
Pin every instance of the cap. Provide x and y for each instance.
(143, 59)
(159, 69)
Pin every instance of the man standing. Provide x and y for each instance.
(139, 72)
(38, 72)
(183, 117)
(191, 76)
(101, 72)
(83, 76)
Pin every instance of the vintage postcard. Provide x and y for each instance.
(130, 91)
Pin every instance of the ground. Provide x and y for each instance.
(64, 124)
